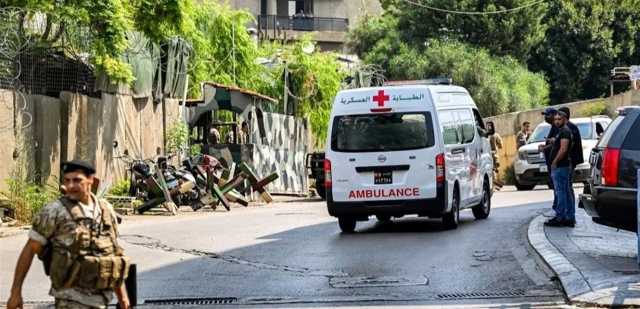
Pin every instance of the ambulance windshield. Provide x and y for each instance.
(382, 132)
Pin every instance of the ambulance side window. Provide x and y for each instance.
(450, 128)
(467, 124)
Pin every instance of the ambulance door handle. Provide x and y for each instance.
(458, 150)
(352, 160)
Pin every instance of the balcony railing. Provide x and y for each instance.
(300, 23)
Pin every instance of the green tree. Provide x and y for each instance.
(314, 80)
(584, 41)
(514, 33)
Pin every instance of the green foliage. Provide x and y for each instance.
(195, 149)
(314, 80)
(225, 53)
(27, 198)
(177, 138)
(107, 21)
(596, 109)
(497, 84)
(121, 188)
(513, 34)
(585, 40)
(509, 177)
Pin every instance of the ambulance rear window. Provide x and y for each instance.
(382, 132)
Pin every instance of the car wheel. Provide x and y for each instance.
(482, 210)
(383, 218)
(452, 218)
(521, 187)
(347, 225)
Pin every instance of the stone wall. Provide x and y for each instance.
(75, 126)
(507, 125)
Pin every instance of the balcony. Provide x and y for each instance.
(299, 23)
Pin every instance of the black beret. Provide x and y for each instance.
(75, 165)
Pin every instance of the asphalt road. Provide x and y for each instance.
(293, 254)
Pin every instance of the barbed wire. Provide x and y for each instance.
(13, 42)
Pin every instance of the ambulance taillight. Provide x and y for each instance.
(327, 174)
(440, 168)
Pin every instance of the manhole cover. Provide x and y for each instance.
(191, 301)
(370, 281)
(481, 295)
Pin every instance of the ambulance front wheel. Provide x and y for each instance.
(347, 225)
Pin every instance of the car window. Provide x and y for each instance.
(586, 130)
(382, 132)
(540, 133)
(450, 132)
(467, 125)
(606, 137)
(632, 141)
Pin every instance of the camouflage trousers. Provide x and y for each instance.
(69, 304)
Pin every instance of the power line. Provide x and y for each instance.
(474, 12)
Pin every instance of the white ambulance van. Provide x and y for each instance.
(418, 149)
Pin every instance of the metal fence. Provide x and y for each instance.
(303, 23)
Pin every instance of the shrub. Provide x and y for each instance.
(121, 188)
(509, 176)
(595, 109)
(25, 198)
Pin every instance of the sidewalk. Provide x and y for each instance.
(596, 264)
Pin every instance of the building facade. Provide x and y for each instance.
(326, 20)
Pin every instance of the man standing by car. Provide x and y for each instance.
(576, 150)
(549, 115)
(560, 170)
(76, 238)
(523, 135)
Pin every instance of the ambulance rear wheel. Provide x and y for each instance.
(347, 225)
(452, 218)
(482, 210)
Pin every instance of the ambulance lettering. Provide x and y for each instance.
(377, 193)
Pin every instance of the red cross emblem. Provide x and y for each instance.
(381, 98)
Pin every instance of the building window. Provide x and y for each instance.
(300, 6)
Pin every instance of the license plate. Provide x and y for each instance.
(383, 178)
(544, 169)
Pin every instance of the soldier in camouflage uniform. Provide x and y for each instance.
(75, 236)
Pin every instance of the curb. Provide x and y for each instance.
(573, 283)
(13, 231)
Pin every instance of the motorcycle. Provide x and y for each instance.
(189, 190)
(149, 184)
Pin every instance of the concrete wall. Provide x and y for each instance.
(75, 126)
(507, 125)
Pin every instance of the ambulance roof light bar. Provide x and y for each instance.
(430, 81)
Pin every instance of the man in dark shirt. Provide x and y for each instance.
(560, 170)
(549, 115)
(576, 149)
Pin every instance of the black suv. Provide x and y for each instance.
(611, 196)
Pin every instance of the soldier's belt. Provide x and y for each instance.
(104, 272)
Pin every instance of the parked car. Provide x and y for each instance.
(407, 150)
(530, 167)
(611, 195)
